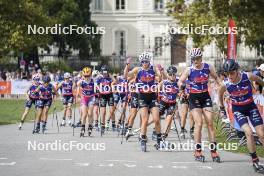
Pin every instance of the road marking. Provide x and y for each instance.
(130, 165)
(106, 165)
(55, 159)
(158, 166)
(179, 167)
(83, 164)
(121, 161)
(185, 162)
(3, 158)
(8, 164)
(205, 167)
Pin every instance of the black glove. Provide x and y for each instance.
(223, 111)
(183, 86)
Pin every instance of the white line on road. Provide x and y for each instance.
(179, 167)
(106, 165)
(82, 164)
(184, 162)
(205, 167)
(55, 159)
(121, 161)
(158, 166)
(8, 164)
(130, 165)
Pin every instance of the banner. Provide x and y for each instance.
(231, 42)
(20, 87)
(5, 87)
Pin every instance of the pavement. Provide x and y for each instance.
(24, 154)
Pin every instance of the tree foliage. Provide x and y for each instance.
(248, 15)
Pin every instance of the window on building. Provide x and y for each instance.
(98, 4)
(158, 46)
(120, 5)
(120, 43)
(159, 4)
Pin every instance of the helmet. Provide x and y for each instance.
(171, 70)
(87, 71)
(67, 75)
(95, 73)
(145, 56)
(104, 69)
(46, 79)
(36, 77)
(230, 65)
(196, 52)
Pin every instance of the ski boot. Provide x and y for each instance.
(164, 136)
(96, 126)
(63, 123)
(90, 128)
(129, 134)
(20, 126)
(215, 157)
(257, 167)
(44, 127)
(198, 156)
(159, 145)
(36, 130)
(123, 131)
(113, 127)
(107, 126)
(143, 144)
(82, 131)
(69, 123)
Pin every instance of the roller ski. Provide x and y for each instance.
(102, 130)
(96, 126)
(44, 128)
(143, 144)
(215, 157)
(90, 128)
(257, 167)
(78, 124)
(198, 156)
(82, 132)
(36, 131)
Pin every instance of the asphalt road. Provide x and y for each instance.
(105, 155)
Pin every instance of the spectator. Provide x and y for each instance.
(31, 66)
(22, 64)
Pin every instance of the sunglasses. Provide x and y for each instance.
(146, 62)
(171, 74)
(86, 76)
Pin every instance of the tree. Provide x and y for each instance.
(248, 15)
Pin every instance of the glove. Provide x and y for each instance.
(183, 86)
(160, 68)
(223, 111)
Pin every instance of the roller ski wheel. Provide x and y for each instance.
(258, 168)
(82, 132)
(199, 157)
(215, 157)
(154, 136)
(44, 130)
